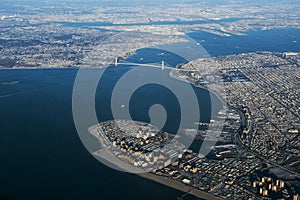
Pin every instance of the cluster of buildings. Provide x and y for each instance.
(142, 145)
(260, 132)
(73, 36)
(137, 143)
(26, 45)
(268, 185)
(266, 94)
(218, 177)
(263, 88)
(220, 128)
(271, 97)
(29, 44)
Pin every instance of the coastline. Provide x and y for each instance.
(221, 99)
(106, 156)
(52, 68)
(179, 186)
(150, 176)
(40, 68)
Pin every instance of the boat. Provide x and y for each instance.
(9, 83)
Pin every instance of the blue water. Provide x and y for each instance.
(274, 40)
(41, 154)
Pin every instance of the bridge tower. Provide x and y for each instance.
(116, 61)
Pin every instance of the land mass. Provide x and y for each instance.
(259, 147)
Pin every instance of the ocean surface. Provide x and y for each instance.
(274, 40)
(41, 154)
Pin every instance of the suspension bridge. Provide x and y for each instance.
(161, 65)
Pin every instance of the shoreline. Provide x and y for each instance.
(38, 68)
(199, 86)
(175, 184)
(106, 157)
(52, 68)
(178, 186)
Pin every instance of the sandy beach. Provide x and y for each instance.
(179, 186)
(110, 159)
